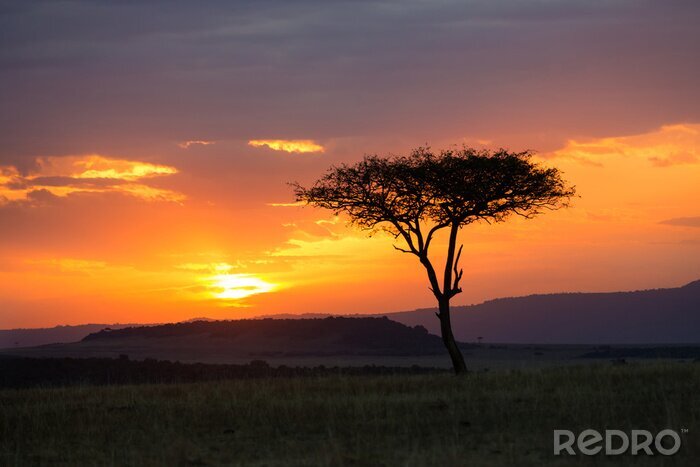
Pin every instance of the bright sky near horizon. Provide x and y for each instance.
(145, 150)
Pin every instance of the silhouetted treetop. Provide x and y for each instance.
(452, 187)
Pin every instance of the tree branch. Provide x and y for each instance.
(402, 250)
(449, 262)
(432, 231)
(457, 274)
(432, 277)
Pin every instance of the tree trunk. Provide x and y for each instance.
(449, 339)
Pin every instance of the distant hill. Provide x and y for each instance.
(327, 336)
(660, 316)
(223, 340)
(11, 338)
(310, 315)
(31, 337)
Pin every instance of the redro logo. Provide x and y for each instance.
(590, 442)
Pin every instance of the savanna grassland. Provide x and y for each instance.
(490, 418)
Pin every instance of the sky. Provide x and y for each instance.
(146, 149)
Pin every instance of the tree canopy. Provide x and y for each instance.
(401, 194)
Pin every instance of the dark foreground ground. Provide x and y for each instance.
(494, 418)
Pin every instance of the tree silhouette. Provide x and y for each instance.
(413, 197)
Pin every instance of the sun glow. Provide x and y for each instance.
(211, 267)
(95, 166)
(667, 146)
(297, 145)
(65, 175)
(238, 286)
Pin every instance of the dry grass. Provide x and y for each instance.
(497, 418)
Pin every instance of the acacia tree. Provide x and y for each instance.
(413, 197)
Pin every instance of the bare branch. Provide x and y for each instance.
(402, 250)
(407, 237)
(457, 273)
(432, 232)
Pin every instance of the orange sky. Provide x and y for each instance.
(126, 249)
(125, 197)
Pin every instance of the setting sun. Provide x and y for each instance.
(238, 286)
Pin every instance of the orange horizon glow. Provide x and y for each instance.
(635, 225)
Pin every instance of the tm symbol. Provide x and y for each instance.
(684, 430)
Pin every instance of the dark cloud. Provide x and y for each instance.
(41, 196)
(125, 76)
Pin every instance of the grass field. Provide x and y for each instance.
(493, 418)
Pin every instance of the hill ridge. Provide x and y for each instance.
(649, 316)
